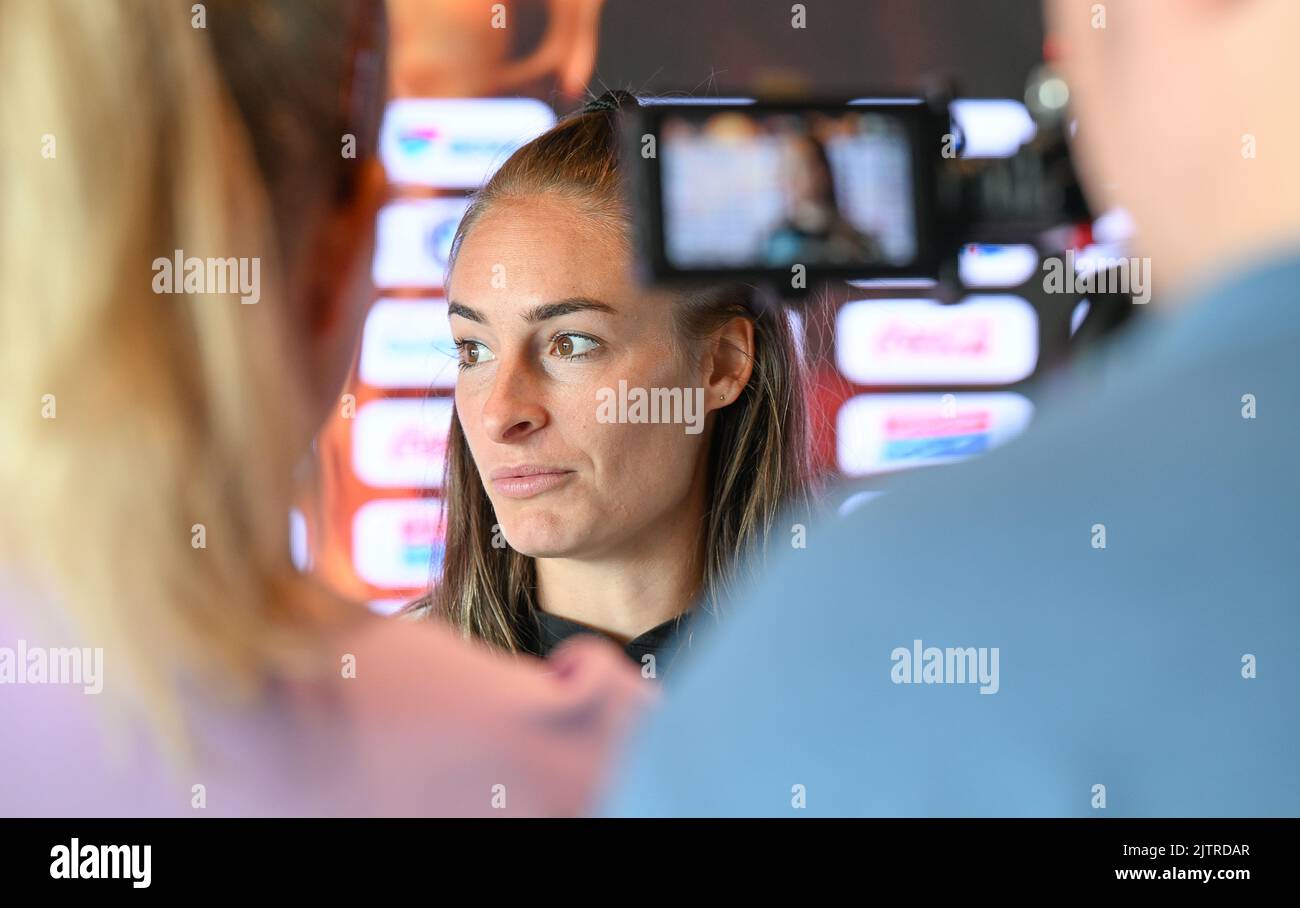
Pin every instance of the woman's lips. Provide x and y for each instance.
(530, 484)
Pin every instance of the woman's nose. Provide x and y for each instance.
(513, 408)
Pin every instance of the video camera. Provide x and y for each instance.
(782, 194)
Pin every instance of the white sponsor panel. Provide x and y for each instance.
(894, 283)
(456, 143)
(401, 443)
(387, 607)
(979, 265)
(880, 433)
(992, 127)
(991, 265)
(857, 500)
(408, 344)
(413, 242)
(1099, 257)
(397, 542)
(984, 340)
(1078, 315)
(299, 540)
(1113, 227)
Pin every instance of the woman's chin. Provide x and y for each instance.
(545, 548)
(543, 538)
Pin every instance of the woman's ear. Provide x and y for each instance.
(730, 362)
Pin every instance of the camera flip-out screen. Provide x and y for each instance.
(754, 190)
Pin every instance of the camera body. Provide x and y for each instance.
(784, 194)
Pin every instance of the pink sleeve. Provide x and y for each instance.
(413, 721)
(435, 725)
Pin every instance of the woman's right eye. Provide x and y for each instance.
(471, 352)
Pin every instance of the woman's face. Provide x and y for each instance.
(549, 322)
(806, 180)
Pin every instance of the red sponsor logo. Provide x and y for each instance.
(960, 337)
(931, 425)
(419, 530)
(416, 441)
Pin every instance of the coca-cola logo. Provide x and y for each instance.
(419, 530)
(417, 441)
(933, 424)
(958, 337)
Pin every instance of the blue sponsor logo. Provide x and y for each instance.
(424, 555)
(440, 237)
(945, 446)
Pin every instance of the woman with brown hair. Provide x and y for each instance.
(616, 452)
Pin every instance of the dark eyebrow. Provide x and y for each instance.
(538, 313)
(566, 307)
(466, 312)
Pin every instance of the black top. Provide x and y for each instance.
(662, 641)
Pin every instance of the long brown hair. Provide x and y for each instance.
(759, 460)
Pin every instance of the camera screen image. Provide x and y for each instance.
(772, 189)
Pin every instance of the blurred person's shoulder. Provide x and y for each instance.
(1128, 558)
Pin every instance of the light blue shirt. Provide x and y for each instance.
(1158, 675)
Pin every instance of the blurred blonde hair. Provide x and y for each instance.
(123, 140)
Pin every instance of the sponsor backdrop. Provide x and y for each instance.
(373, 524)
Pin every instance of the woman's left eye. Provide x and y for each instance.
(573, 346)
